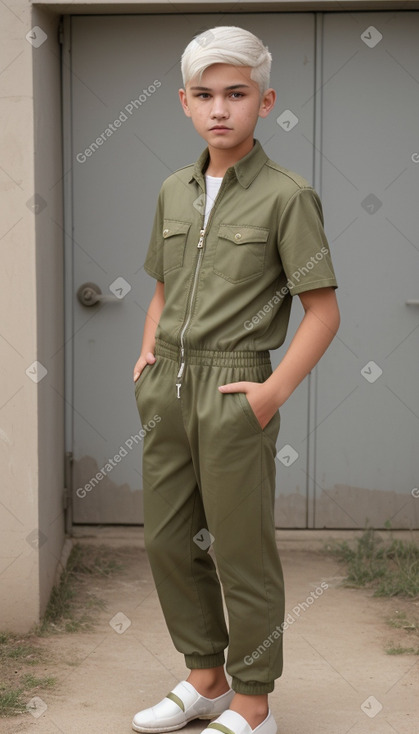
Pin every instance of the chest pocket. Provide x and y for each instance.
(174, 237)
(240, 252)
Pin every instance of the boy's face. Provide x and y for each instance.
(225, 105)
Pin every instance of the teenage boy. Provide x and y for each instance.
(235, 236)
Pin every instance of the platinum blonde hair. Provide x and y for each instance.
(226, 44)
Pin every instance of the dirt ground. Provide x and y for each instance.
(337, 676)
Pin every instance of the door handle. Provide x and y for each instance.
(89, 294)
(413, 302)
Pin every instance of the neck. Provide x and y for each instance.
(220, 160)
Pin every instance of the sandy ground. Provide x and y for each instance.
(337, 677)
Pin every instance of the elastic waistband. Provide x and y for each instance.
(212, 357)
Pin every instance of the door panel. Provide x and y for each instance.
(348, 438)
(115, 187)
(367, 420)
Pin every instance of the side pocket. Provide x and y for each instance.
(270, 429)
(140, 381)
(247, 410)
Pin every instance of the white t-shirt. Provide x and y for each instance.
(212, 184)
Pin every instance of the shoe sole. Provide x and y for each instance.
(159, 730)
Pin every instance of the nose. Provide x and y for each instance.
(219, 108)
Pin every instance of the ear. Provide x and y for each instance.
(184, 102)
(267, 102)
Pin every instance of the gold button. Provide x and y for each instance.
(165, 232)
(237, 236)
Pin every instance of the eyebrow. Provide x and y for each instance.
(233, 86)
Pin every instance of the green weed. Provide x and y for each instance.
(69, 610)
(390, 566)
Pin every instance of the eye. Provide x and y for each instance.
(237, 95)
(202, 95)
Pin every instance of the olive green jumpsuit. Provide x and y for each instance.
(208, 467)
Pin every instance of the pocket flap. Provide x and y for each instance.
(173, 226)
(242, 235)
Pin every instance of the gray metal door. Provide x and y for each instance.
(367, 422)
(128, 133)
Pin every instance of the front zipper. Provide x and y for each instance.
(200, 247)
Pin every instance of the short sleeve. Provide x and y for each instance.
(153, 264)
(302, 244)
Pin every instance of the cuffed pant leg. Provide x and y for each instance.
(237, 470)
(186, 579)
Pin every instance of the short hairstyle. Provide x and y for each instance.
(226, 44)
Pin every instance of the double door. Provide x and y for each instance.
(346, 119)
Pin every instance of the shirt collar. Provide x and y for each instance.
(245, 170)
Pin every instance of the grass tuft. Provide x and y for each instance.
(18, 686)
(390, 567)
(401, 621)
(69, 609)
(31, 681)
(399, 650)
(11, 702)
(65, 612)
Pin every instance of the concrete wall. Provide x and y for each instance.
(31, 304)
(18, 343)
(48, 183)
(32, 405)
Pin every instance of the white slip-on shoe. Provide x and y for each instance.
(181, 705)
(230, 722)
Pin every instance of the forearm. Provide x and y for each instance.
(313, 336)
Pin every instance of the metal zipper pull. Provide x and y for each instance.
(182, 362)
(201, 238)
(180, 373)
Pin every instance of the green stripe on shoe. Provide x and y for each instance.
(220, 727)
(176, 699)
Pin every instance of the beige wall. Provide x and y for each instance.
(48, 182)
(31, 304)
(31, 291)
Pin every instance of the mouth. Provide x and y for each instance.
(220, 127)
